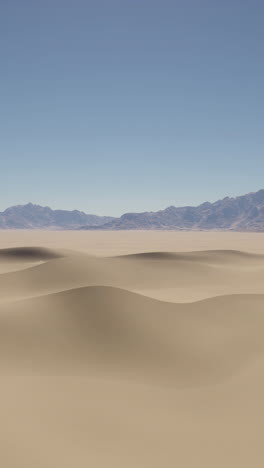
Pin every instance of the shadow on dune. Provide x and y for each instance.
(204, 271)
(206, 256)
(30, 254)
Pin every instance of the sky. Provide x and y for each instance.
(113, 106)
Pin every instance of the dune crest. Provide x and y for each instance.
(105, 327)
(167, 276)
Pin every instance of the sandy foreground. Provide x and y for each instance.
(131, 349)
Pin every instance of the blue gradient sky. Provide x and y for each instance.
(113, 106)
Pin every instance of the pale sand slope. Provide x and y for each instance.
(99, 369)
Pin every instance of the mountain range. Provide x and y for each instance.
(243, 213)
(31, 216)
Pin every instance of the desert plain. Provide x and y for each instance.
(131, 349)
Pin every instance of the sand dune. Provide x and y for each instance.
(101, 327)
(141, 358)
(173, 277)
(211, 256)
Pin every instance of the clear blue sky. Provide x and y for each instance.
(130, 105)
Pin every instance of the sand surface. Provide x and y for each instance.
(131, 349)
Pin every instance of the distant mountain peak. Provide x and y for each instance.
(32, 216)
(242, 213)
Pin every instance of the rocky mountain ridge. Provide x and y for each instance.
(243, 213)
(32, 216)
